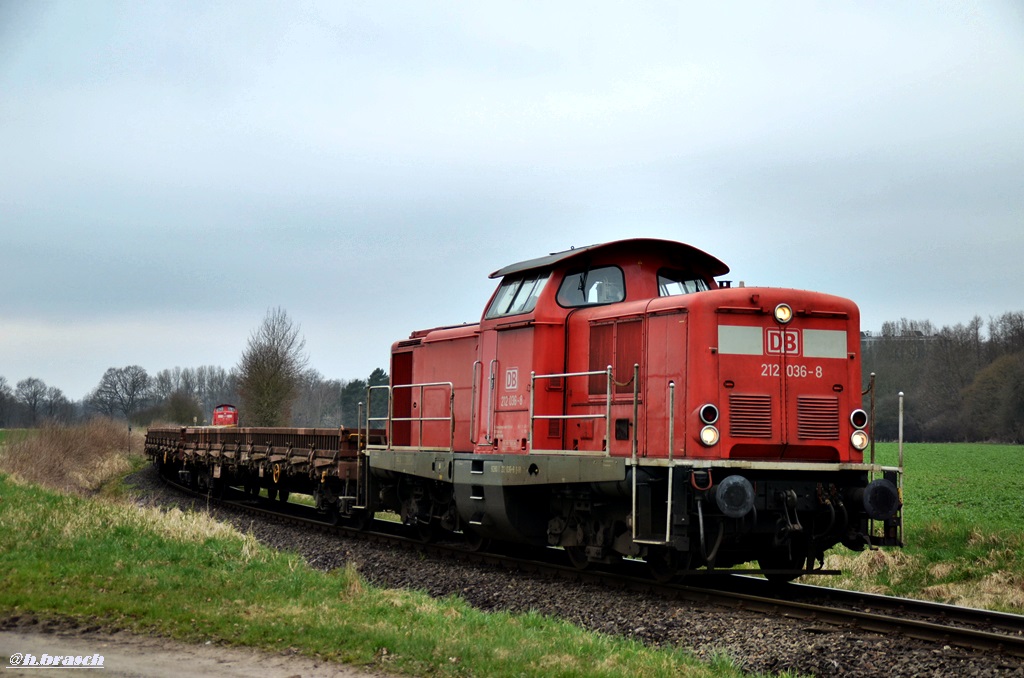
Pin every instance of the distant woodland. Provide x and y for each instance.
(178, 396)
(961, 383)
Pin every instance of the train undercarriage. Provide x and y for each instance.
(677, 517)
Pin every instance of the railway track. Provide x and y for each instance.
(941, 624)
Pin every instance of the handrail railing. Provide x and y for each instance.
(386, 419)
(391, 419)
(607, 416)
(474, 400)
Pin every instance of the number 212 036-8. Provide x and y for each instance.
(792, 371)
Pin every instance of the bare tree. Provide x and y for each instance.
(30, 393)
(6, 396)
(182, 408)
(165, 383)
(270, 371)
(318, 402)
(188, 382)
(121, 389)
(57, 406)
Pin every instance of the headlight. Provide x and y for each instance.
(709, 436)
(859, 419)
(859, 440)
(709, 414)
(783, 313)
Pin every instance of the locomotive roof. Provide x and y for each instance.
(686, 255)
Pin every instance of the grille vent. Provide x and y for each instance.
(817, 417)
(750, 416)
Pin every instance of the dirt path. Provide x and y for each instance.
(125, 655)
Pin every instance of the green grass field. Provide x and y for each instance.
(974, 484)
(185, 576)
(89, 554)
(964, 529)
(13, 435)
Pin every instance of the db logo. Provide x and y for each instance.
(512, 379)
(782, 341)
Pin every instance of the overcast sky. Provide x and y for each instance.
(171, 170)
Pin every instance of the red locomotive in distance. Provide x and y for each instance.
(225, 415)
(616, 400)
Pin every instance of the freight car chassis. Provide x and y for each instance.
(323, 463)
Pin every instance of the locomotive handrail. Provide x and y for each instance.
(390, 419)
(493, 368)
(671, 455)
(607, 416)
(473, 404)
(386, 419)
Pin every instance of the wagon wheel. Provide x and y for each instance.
(360, 519)
(217, 487)
(332, 516)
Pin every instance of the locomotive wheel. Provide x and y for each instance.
(475, 542)
(664, 563)
(282, 495)
(425, 532)
(783, 559)
(271, 493)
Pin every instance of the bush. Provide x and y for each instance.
(79, 458)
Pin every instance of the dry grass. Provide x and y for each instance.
(998, 589)
(77, 459)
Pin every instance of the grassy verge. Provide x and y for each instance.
(185, 576)
(83, 459)
(14, 435)
(964, 516)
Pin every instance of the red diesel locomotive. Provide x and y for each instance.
(224, 415)
(614, 400)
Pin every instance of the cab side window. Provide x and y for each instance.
(603, 285)
(672, 283)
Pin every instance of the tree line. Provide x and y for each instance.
(961, 383)
(272, 385)
(178, 396)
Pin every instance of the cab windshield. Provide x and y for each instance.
(517, 295)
